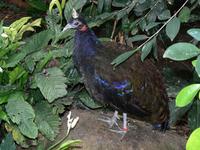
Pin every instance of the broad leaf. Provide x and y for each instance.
(35, 43)
(195, 33)
(70, 4)
(51, 83)
(193, 141)
(23, 115)
(47, 122)
(123, 57)
(17, 73)
(17, 136)
(8, 143)
(172, 28)
(181, 51)
(38, 41)
(7, 89)
(187, 94)
(184, 14)
(88, 101)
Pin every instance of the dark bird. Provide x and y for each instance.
(134, 87)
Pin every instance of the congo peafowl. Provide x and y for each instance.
(134, 87)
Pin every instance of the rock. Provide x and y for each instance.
(95, 134)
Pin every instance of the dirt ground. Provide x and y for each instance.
(95, 135)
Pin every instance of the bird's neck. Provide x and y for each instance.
(85, 42)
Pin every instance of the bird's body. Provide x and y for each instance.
(134, 87)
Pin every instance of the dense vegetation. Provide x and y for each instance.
(37, 74)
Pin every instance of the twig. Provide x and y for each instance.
(155, 34)
(114, 28)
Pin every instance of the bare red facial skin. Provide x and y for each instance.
(83, 28)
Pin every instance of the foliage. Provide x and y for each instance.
(48, 126)
(185, 51)
(37, 74)
(51, 83)
(193, 141)
(8, 143)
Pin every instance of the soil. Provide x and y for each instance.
(95, 134)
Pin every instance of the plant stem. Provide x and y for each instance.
(114, 28)
(155, 34)
(59, 142)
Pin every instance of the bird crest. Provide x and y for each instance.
(75, 15)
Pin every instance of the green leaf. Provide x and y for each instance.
(23, 115)
(38, 41)
(120, 3)
(193, 141)
(181, 51)
(35, 43)
(194, 62)
(41, 64)
(151, 25)
(100, 19)
(173, 28)
(138, 38)
(195, 33)
(123, 57)
(38, 4)
(16, 74)
(47, 122)
(164, 15)
(6, 90)
(3, 116)
(28, 27)
(8, 143)
(18, 24)
(51, 83)
(193, 115)
(197, 67)
(100, 5)
(146, 49)
(187, 94)
(70, 4)
(184, 14)
(88, 101)
(69, 143)
(17, 136)
(15, 59)
(58, 5)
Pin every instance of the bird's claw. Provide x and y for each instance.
(111, 121)
(121, 131)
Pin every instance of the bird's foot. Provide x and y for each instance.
(111, 121)
(161, 127)
(123, 130)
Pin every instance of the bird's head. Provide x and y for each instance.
(77, 22)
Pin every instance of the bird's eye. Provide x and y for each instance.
(76, 23)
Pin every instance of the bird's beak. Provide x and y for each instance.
(68, 26)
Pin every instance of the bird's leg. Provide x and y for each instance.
(124, 129)
(111, 121)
